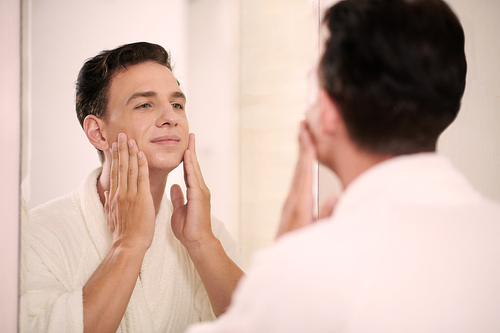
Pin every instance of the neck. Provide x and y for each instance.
(348, 162)
(157, 184)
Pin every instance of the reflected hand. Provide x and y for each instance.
(129, 206)
(191, 222)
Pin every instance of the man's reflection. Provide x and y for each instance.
(144, 267)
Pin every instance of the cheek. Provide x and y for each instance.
(184, 128)
(138, 129)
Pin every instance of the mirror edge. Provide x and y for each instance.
(10, 97)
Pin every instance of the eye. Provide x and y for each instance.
(178, 106)
(143, 106)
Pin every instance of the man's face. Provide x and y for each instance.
(146, 103)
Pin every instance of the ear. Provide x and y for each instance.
(330, 117)
(94, 128)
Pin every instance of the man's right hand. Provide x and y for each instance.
(130, 215)
(129, 207)
(298, 210)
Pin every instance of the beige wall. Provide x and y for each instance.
(278, 48)
(60, 36)
(472, 142)
(213, 49)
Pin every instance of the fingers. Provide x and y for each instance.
(113, 179)
(191, 164)
(299, 206)
(129, 167)
(193, 175)
(306, 141)
(176, 196)
(123, 158)
(133, 168)
(196, 165)
(190, 176)
(143, 185)
(303, 177)
(106, 199)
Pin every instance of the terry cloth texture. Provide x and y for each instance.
(67, 239)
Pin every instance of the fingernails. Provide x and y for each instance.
(130, 143)
(121, 137)
(114, 146)
(140, 155)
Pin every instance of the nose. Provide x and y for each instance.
(167, 117)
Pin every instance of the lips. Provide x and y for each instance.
(167, 140)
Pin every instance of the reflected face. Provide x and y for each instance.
(146, 103)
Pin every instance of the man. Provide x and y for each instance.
(131, 270)
(411, 246)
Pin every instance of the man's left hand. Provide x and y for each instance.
(191, 222)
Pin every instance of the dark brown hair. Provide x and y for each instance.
(397, 70)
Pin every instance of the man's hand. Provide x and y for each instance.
(130, 215)
(129, 207)
(191, 222)
(298, 210)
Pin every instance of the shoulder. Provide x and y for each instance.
(60, 220)
(298, 251)
(55, 210)
(287, 282)
(66, 206)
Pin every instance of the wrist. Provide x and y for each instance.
(129, 247)
(202, 247)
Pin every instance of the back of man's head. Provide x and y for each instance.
(396, 69)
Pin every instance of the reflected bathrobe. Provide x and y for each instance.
(67, 239)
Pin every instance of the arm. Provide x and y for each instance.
(298, 210)
(130, 216)
(191, 224)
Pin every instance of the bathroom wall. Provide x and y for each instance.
(60, 36)
(278, 48)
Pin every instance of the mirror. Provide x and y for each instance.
(242, 65)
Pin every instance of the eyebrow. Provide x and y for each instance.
(141, 94)
(178, 94)
(175, 94)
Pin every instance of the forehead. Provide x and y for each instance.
(147, 76)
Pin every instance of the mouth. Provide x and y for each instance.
(167, 140)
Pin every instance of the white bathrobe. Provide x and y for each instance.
(410, 248)
(67, 239)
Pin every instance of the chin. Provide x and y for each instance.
(166, 166)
